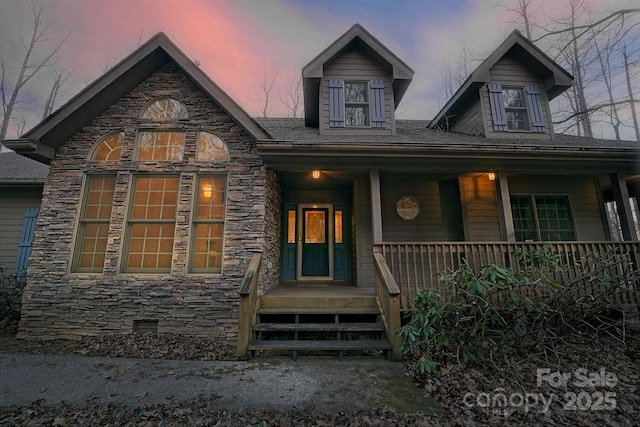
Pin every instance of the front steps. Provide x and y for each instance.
(315, 322)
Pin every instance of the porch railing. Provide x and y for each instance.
(388, 295)
(248, 304)
(417, 265)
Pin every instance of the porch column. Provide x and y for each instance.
(376, 206)
(504, 208)
(621, 196)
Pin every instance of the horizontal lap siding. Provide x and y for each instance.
(478, 196)
(509, 72)
(431, 225)
(14, 203)
(363, 237)
(583, 198)
(355, 66)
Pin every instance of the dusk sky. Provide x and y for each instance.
(235, 40)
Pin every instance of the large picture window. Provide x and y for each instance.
(160, 145)
(94, 224)
(151, 224)
(542, 218)
(208, 225)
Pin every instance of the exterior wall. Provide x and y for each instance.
(364, 273)
(480, 209)
(60, 303)
(470, 121)
(270, 271)
(353, 65)
(440, 218)
(583, 199)
(14, 201)
(509, 72)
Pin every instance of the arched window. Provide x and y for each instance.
(211, 148)
(109, 148)
(165, 109)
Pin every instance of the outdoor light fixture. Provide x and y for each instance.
(207, 190)
(315, 174)
(492, 176)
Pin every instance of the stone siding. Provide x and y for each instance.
(60, 303)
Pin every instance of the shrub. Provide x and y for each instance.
(11, 290)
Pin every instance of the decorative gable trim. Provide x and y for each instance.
(336, 103)
(378, 116)
(538, 123)
(498, 113)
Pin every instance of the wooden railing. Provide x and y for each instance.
(248, 304)
(417, 266)
(388, 296)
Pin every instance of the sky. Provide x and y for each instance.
(235, 41)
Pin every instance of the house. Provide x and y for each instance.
(167, 208)
(21, 182)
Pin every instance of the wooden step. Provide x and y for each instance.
(318, 310)
(320, 327)
(318, 301)
(319, 345)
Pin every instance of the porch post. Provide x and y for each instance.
(504, 208)
(621, 196)
(376, 206)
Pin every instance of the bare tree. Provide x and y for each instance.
(40, 47)
(263, 90)
(60, 78)
(293, 97)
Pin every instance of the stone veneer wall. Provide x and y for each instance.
(59, 303)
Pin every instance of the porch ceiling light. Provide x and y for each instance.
(315, 174)
(492, 176)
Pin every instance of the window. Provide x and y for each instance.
(356, 104)
(160, 145)
(515, 108)
(167, 109)
(151, 224)
(542, 218)
(109, 149)
(211, 148)
(208, 225)
(94, 224)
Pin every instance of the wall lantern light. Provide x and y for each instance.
(315, 174)
(207, 190)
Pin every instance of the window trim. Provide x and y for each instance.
(357, 104)
(534, 206)
(194, 221)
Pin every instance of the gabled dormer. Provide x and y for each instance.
(354, 86)
(508, 95)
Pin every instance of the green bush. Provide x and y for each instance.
(11, 290)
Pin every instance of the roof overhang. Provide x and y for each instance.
(355, 38)
(41, 142)
(555, 78)
(445, 158)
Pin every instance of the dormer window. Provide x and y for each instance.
(356, 104)
(515, 108)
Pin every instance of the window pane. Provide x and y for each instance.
(513, 97)
(208, 228)
(165, 109)
(211, 148)
(517, 119)
(155, 198)
(523, 220)
(208, 246)
(355, 92)
(338, 227)
(150, 246)
(109, 148)
(210, 198)
(356, 116)
(160, 145)
(291, 226)
(314, 227)
(554, 218)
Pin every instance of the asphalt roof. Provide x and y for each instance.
(416, 132)
(15, 168)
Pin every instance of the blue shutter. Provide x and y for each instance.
(26, 241)
(336, 104)
(497, 107)
(377, 103)
(535, 109)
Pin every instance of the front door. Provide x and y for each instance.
(315, 242)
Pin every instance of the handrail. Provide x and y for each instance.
(248, 304)
(388, 297)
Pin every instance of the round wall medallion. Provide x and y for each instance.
(408, 208)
